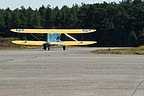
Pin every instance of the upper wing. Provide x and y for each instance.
(66, 43)
(59, 31)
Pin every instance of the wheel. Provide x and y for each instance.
(48, 46)
(44, 46)
(64, 47)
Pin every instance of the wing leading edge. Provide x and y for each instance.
(63, 43)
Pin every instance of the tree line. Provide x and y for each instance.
(117, 24)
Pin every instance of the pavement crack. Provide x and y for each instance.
(7, 60)
(137, 87)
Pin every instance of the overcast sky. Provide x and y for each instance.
(13, 4)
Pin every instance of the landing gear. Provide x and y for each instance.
(48, 47)
(64, 48)
(45, 46)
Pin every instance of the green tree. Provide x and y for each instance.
(48, 18)
(141, 37)
(16, 19)
(42, 12)
(133, 39)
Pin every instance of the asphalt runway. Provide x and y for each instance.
(74, 72)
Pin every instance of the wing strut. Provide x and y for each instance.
(71, 37)
(35, 37)
(26, 38)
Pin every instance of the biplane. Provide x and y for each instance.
(53, 37)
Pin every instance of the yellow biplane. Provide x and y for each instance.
(53, 37)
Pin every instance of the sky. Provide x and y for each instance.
(13, 4)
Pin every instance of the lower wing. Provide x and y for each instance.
(64, 43)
